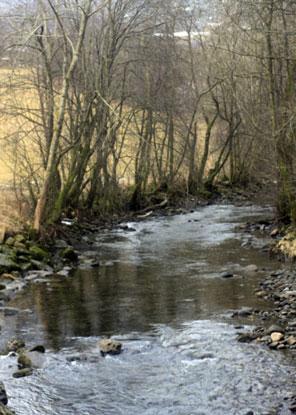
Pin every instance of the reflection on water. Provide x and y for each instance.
(159, 290)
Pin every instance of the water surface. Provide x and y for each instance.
(159, 290)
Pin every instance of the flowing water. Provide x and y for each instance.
(158, 290)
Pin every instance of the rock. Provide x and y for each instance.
(37, 265)
(15, 344)
(226, 274)
(291, 340)
(20, 238)
(275, 232)
(24, 361)
(3, 394)
(38, 253)
(243, 312)
(275, 329)
(30, 359)
(251, 268)
(110, 346)
(8, 277)
(39, 348)
(77, 358)
(10, 241)
(7, 264)
(276, 337)
(5, 411)
(260, 294)
(245, 337)
(69, 254)
(2, 287)
(273, 345)
(23, 373)
(21, 248)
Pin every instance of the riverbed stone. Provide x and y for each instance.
(39, 348)
(109, 346)
(227, 274)
(291, 340)
(252, 268)
(22, 373)
(276, 337)
(246, 337)
(8, 277)
(14, 345)
(24, 361)
(275, 328)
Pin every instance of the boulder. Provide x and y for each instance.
(110, 346)
(24, 361)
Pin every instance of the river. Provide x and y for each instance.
(159, 291)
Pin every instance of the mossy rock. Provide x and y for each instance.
(7, 264)
(20, 245)
(37, 265)
(20, 238)
(69, 254)
(39, 253)
(10, 241)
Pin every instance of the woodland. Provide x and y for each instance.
(109, 105)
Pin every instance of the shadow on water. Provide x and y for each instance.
(159, 290)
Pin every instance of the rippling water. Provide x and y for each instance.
(159, 291)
